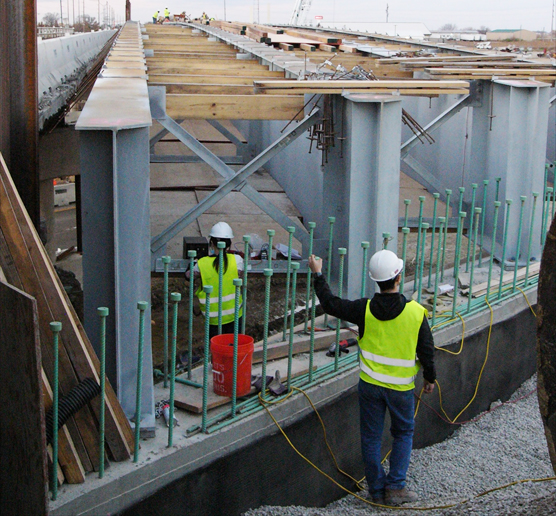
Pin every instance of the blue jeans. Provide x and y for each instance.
(373, 401)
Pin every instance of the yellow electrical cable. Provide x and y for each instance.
(462, 337)
(525, 296)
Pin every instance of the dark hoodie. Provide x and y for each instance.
(384, 307)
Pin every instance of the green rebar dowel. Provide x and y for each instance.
(554, 196)
(312, 227)
(405, 232)
(166, 261)
(312, 334)
(246, 240)
(385, 240)
(497, 192)
(504, 242)
(471, 221)
(331, 221)
(221, 246)
(441, 221)
(549, 191)
(237, 284)
(436, 196)
(518, 245)
(457, 259)
(485, 184)
(291, 231)
(207, 289)
(342, 252)
(530, 244)
(56, 328)
(191, 255)
(141, 306)
(365, 246)
(175, 297)
(460, 202)
(544, 187)
(270, 233)
(497, 205)
(294, 266)
(267, 278)
(446, 216)
(103, 314)
(424, 226)
(407, 202)
(418, 248)
(476, 226)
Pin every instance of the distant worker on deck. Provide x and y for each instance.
(392, 331)
(207, 269)
(166, 14)
(155, 16)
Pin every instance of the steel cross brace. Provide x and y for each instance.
(234, 180)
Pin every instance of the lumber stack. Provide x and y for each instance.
(26, 266)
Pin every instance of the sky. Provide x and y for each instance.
(494, 14)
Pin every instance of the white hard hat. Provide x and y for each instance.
(221, 230)
(384, 265)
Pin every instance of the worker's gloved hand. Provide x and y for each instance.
(428, 387)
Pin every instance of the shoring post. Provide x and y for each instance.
(476, 226)
(530, 244)
(457, 260)
(446, 216)
(436, 196)
(175, 297)
(166, 261)
(191, 255)
(385, 240)
(294, 266)
(425, 226)
(497, 192)
(518, 245)
(267, 278)
(342, 252)
(221, 246)
(405, 232)
(503, 258)
(103, 314)
(483, 217)
(56, 328)
(471, 221)
(365, 246)
(291, 231)
(207, 289)
(331, 221)
(418, 249)
(407, 202)
(270, 233)
(141, 306)
(312, 226)
(237, 284)
(246, 240)
(441, 221)
(497, 205)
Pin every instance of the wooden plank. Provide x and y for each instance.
(398, 60)
(286, 46)
(307, 47)
(321, 38)
(507, 279)
(38, 273)
(235, 107)
(156, 78)
(328, 48)
(348, 49)
(492, 71)
(212, 89)
(174, 70)
(23, 475)
(201, 64)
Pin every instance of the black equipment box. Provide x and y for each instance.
(199, 244)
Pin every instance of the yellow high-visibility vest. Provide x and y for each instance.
(166, 13)
(388, 348)
(209, 276)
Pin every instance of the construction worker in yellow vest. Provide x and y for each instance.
(166, 14)
(207, 269)
(392, 332)
(155, 16)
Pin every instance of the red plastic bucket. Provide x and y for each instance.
(222, 351)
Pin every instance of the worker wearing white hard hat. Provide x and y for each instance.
(207, 269)
(392, 332)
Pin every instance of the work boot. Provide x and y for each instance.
(398, 496)
(378, 497)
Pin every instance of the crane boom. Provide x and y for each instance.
(300, 11)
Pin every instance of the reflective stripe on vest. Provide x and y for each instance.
(209, 276)
(388, 348)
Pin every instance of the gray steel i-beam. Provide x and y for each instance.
(234, 180)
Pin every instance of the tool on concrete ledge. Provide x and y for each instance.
(344, 345)
(276, 387)
(257, 381)
(162, 409)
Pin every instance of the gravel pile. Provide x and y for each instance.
(504, 446)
